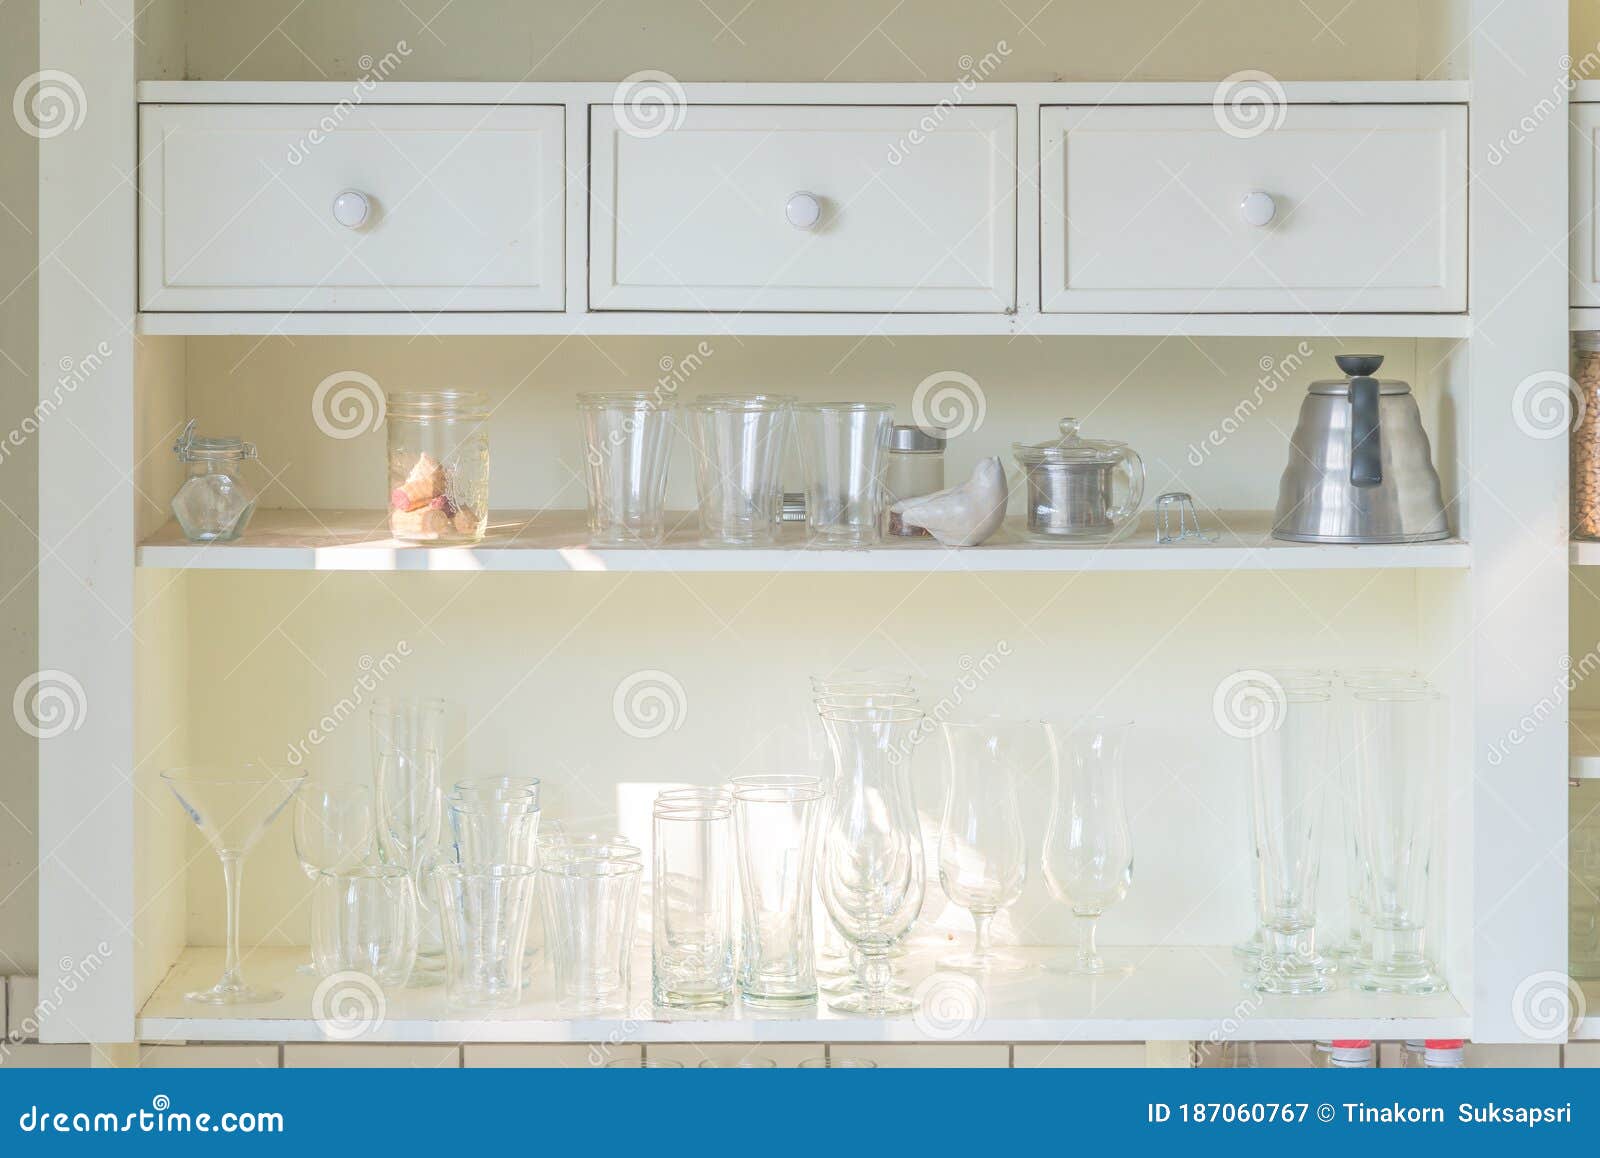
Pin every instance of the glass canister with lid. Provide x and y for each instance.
(215, 503)
(438, 466)
(1073, 485)
(913, 466)
(1586, 436)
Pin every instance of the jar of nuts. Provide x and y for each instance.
(438, 466)
(1586, 437)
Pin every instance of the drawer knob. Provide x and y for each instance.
(803, 210)
(1258, 208)
(350, 209)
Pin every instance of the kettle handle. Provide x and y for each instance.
(1366, 440)
(1133, 466)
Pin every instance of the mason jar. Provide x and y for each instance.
(1586, 437)
(215, 503)
(438, 466)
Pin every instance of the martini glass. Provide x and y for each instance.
(232, 806)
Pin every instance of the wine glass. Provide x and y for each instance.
(232, 806)
(1088, 847)
(334, 829)
(983, 856)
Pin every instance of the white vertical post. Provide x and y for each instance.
(1516, 492)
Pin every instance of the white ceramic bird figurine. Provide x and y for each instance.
(961, 516)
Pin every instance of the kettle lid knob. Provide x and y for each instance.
(1359, 365)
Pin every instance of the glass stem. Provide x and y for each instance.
(874, 973)
(1088, 951)
(981, 945)
(232, 867)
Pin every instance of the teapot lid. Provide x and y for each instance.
(1070, 448)
(1358, 366)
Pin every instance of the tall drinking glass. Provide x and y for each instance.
(364, 919)
(872, 866)
(1398, 771)
(407, 745)
(590, 913)
(841, 451)
(1088, 846)
(692, 935)
(1290, 770)
(738, 456)
(335, 830)
(775, 829)
(484, 911)
(625, 450)
(983, 856)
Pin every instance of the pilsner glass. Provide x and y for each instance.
(625, 448)
(365, 920)
(738, 451)
(1290, 768)
(692, 935)
(775, 829)
(841, 450)
(590, 910)
(1397, 769)
(484, 910)
(983, 856)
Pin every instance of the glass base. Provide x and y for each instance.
(1413, 981)
(778, 1000)
(239, 994)
(1316, 976)
(982, 963)
(1094, 967)
(670, 1000)
(883, 1005)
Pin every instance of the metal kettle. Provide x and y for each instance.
(1360, 467)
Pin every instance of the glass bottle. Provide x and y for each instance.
(214, 504)
(438, 466)
(1353, 1054)
(913, 466)
(1586, 437)
(1444, 1053)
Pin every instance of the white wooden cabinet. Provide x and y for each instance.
(337, 207)
(804, 207)
(1347, 207)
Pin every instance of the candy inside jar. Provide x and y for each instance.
(438, 466)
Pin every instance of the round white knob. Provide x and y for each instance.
(1258, 208)
(803, 210)
(350, 209)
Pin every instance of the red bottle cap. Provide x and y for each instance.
(1351, 1043)
(1445, 1043)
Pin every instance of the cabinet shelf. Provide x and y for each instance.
(1174, 994)
(344, 540)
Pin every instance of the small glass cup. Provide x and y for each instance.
(838, 1062)
(502, 828)
(590, 912)
(842, 448)
(643, 1063)
(738, 450)
(484, 910)
(485, 784)
(625, 449)
(744, 1063)
(364, 920)
(438, 466)
(692, 938)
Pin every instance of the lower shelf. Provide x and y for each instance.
(1192, 994)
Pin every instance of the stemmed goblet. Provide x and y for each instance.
(983, 857)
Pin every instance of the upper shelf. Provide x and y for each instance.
(283, 540)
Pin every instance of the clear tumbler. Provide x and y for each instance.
(738, 456)
(590, 912)
(365, 920)
(775, 828)
(842, 452)
(495, 826)
(693, 904)
(484, 910)
(625, 450)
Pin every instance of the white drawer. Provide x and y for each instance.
(1585, 264)
(1144, 210)
(918, 210)
(465, 208)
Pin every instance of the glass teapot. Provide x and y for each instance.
(214, 504)
(1072, 485)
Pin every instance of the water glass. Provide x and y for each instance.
(842, 452)
(492, 785)
(364, 920)
(625, 451)
(484, 910)
(692, 936)
(775, 831)
(496, 826)
(738, 456)
(590, 910)
(838, 1062)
